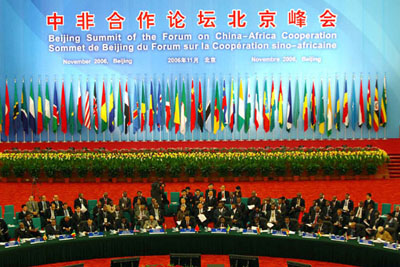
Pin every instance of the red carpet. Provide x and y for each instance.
(205, 259)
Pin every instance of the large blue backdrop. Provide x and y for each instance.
(160, 41)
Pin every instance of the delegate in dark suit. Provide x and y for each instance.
(188, 222)
(53, 229)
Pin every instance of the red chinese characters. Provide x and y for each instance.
(115, 21)
(147, 18)
(237, 19)
(328, 19)
(55, 20)
(85, 20)
(297, 18)
(176, 20)
(267, 19)
(206, 18)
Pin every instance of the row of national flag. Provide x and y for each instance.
(167, 107)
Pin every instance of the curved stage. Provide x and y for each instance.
(205, 243)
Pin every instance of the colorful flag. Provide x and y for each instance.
(159, 108)
(79, 114)
(103, 110)
(383, 117)
(120, 109)
(296, 109)
(313, 108)
(111, 110)
(289, 118)
(127, 109)
(56, 115)
(248, 110)
(208, 108)
(87, 107)
(216, 110)
(232, 107)
(136, 110)
(353, 107)
(16, 118)
(192, 109)
(95, 110)
(266, 115)
(32, 116)
(376, 108)
(71, 119)
(24, 109)
(345, 118)
(151, 108)
(305, 108)
(200, 117)
(143, 109)
(329, 114)
(7, 112)
(47, 115)
(369, 115)
(321, 111)
(183, 110)
(240, 107)
(257, 109)
(272, 108)
(337, 114)
(177, 120)
(280, 106)
(224, 109)
(39, 111)
(361, 111)
(167, 109)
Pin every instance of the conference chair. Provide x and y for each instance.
(9, 218)
(245, 200)
(174, 204)
(36, 223)
(386, 208)
(9, 209)
(58, 219)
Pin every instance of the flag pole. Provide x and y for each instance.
(384, 133)
(48, 133)
(192, 136)
(120, 135)
(64, 137)
(152, 136)
(72, 138)
(104, 136)
(24, 137)
(313, 134)
(369, 134)
(80, 137)
(56, 138)
(361, 133)
(136, 136)
(16, 137)
(376, 135)
(297, 133)
(160, 135)
(112, 135)
(345, 133)
(87, 135)
(281, 134)
(31, 136)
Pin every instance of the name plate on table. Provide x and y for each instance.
(65, 237)
(187, 231)
(12, 244)
(309, 235)
(279, 233)
(156, 231)
(365, 242)
(218, 231)
(390, 246)
(37, 240)
(126, 232)
(338, 238)
(249, 232)
(97, 234)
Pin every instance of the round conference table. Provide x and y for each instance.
(141, 244)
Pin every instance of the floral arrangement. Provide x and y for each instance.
(194, 162)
